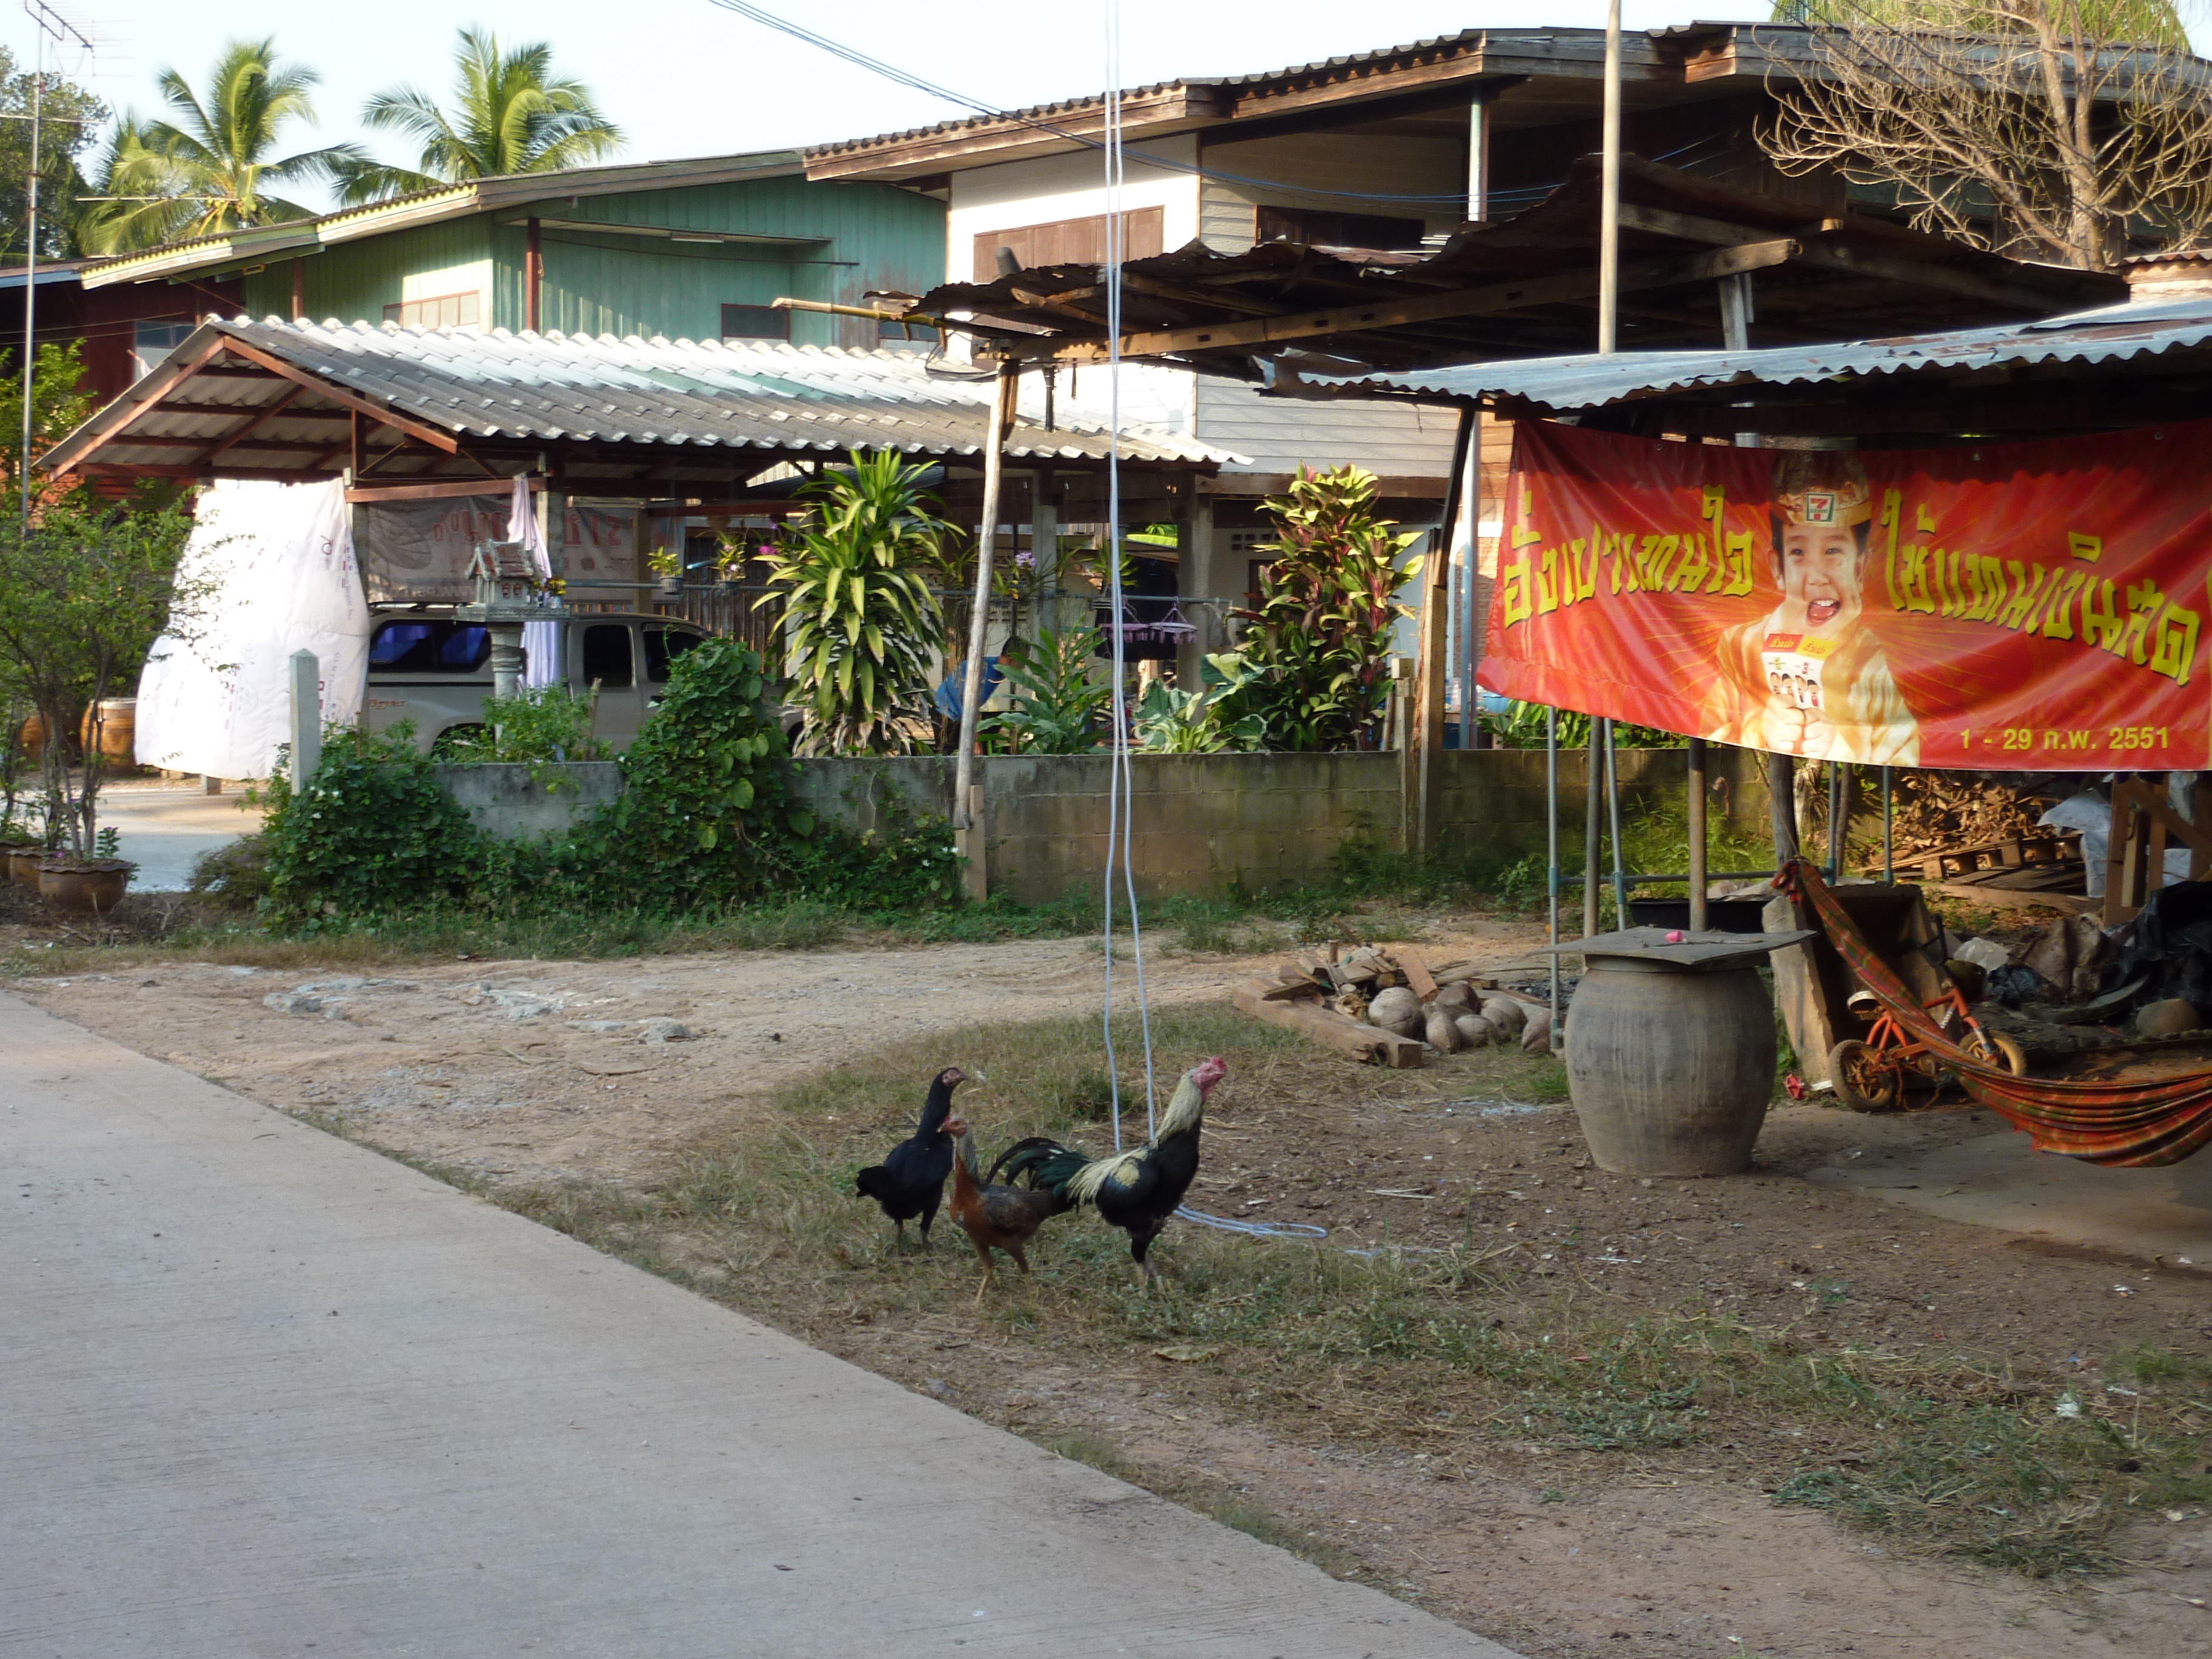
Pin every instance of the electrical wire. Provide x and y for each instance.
(908, 79)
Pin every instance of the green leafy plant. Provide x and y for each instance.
(860, 619)
(373, 831)
(665, 561)
(709, 796)
(1056, 704)
(550, 724)
(1522, 726)
(86, 590)
(1204, 721)
(1321, 637)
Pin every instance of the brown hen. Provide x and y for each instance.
(994, 1216)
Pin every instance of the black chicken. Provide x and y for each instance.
(910, 1181)
(1134, 1191)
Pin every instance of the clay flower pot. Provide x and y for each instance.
(22, 861)
(84, 886)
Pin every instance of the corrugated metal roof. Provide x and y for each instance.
(429, 206)
(486, 387)
(2106, 334)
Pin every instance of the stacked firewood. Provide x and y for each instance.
(1937, 811)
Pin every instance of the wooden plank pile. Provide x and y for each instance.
(1387, 1006)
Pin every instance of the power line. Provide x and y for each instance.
(914, 82)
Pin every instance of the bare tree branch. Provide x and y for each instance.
(2064, 131)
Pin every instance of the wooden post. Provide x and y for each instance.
(533, 275)
(1044, 548)
(299, 288)
(1697, 816)
(971, 684)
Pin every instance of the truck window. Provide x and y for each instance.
(428, 648)
(663, 646)
(606, 655)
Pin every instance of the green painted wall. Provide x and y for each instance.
(848, 239)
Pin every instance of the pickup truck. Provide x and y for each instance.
(424, 666)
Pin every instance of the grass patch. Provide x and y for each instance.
(1100, 1453)
(1434, 1353)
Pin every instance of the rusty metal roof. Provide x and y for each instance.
(1526, 287)
(273, 399)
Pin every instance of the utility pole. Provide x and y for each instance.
(1608, 212)
(49, 22)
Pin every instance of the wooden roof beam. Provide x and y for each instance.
(338, 395)
(1886, 267)
(1398, 311)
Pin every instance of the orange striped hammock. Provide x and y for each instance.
(2125, 1124)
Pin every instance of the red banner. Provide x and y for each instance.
(2030, 607)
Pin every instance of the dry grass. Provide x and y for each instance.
(1448, 1352)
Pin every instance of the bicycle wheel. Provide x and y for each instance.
(1864, 1081)
(1996, 1049)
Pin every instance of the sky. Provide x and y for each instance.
(682, 77)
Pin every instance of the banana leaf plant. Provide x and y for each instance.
(1207, 721)
(860, 620)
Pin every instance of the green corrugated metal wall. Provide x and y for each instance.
(856, 237)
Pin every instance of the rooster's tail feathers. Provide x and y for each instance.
(1039, 1162)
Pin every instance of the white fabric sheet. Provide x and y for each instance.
(278, 562)
(541, 641)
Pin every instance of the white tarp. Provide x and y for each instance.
(274, 562)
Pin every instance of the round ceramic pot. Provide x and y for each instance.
(23, 862)
(84, 888)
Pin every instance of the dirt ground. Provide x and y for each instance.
(525, 1071)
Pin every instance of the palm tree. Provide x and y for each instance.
(509, 115)
(208, 169)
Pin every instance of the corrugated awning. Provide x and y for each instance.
(2115, 365)
(300, 401)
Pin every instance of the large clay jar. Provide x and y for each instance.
(23, 863)
(1670, 1070)
(114, 723)
(91, 888)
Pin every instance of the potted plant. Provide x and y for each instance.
(667, 567)
(86, 886)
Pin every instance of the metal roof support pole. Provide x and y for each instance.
(971, 684)
(533, 274)
(31, 269)
(1697, 817)
(1552, 848)
(1613, 808)
(1592, 805)
(1478, 156)
(1608, 212)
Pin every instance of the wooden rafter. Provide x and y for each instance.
(353, 400)
(268, 412)
(1425, 308)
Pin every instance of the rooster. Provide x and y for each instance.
(910, 1181)
(992, 1216)
(1134, 1191)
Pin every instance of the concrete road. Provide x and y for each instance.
(262, 1392)
(165, 829)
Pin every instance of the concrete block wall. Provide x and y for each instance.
(521, 802)
(1202, 822)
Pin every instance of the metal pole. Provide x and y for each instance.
(1840, 816)
(1888, 861)
(971, 684)
(1697, 835)
(31, 271)
(1552, 842)
(1594, 804)
(1608, 219)
(1613, 815)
